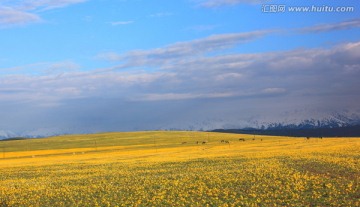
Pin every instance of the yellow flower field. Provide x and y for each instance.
(179, 169)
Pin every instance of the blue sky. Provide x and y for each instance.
(74, 66)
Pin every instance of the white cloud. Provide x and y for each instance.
(13, 13)
(190, 49)
(109, 56)
(121, 23)
(10, 16)
(62, 67)
(161, 14)
(43, 68)
(182, 96)
(289, 62)
(274, 90)
(229, 76)
(43, 4)
(344, 25)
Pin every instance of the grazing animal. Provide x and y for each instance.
(253, 139)
(203, 142)
(183, 142)
(227, 142)
(222, 141)
(307, 138)
(197, 142)
(242, 139)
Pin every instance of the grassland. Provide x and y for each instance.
(171, 169)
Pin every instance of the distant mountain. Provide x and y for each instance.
(6, 134)
(334, 121)
(28, 134)
(38, 133)
(331, 125)
(293, 123)
(346, 131)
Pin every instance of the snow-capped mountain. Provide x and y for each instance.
(291, 120)
(329, 121)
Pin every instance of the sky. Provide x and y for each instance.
(85, 66)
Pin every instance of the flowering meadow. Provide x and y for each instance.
(179, 169)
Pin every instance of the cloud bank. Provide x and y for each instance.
(185, 85)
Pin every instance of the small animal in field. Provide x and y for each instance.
(227, 142)
(183, 142)
(222, 141)
(204, 142)
(307, 138)
(242, 139)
